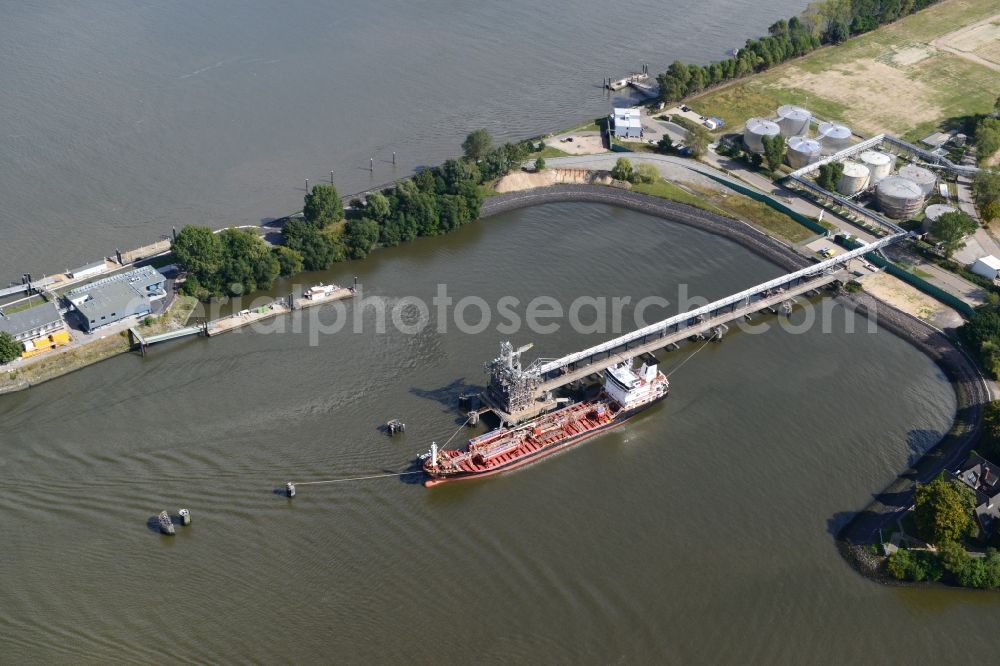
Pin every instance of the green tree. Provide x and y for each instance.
(622, 170)
(943, 510)
(665, 145)
(360, 236)
(477, 144)
(774, 151)
(323, 206)
(698, 139)
(829, 175)
(377, 207)
(289, 260)
(986, 192)
(198, 251)
(10, 348)
(318, 250)
(645, 173)
(951, 229)
(247, 262)
(954, 558)
(540, 164)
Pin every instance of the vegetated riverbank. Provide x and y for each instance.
(972, 395)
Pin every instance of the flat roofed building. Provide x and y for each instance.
(988, 267)
(38, 329)
(118, 297)
(146, 279)
(627, 123)
(95, 268)
(112, 303)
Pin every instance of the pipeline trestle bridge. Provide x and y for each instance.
(517, 393)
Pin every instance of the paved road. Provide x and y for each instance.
(683, 169)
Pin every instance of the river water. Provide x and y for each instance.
(700, 532)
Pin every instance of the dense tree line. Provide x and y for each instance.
(826, 22)
(231, 262)
(982, 335)
(435, 201)
(986, 191)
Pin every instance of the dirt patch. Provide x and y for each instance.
(979, 42)
(902, 296)
(525, 180)
(874, 94)
(910, 55)
(582, 144)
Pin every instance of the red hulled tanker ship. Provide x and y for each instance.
(625, 393)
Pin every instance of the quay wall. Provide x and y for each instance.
(972, 391)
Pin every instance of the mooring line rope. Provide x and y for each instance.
(357, 478)
(690, 356)
(380, 476)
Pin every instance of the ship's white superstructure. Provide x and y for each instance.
(631, 388)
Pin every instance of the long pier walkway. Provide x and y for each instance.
(517, 393)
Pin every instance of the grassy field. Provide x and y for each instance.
(890, 80)
(667, 190)
(58, 363)
(732, 205)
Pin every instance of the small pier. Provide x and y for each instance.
(245, 318)
(516, 393)
(321, 294)
(395, 426)
(637, 80)
(137, 341)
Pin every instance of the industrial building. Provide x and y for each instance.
(834, 138)
(899, 198)
(933, 213)
(801, 151)
(90, 270)
(38, 329)
(854, 179)
(988, 267)
(118, 297)
(755, 131)
(627, 123)
(793, 120)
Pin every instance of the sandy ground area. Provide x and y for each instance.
(525, 180)
(902, 101)
(583, 143)
(979, 42)
(885, 287)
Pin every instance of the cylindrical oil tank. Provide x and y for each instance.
(834, 137)
(854, 179)
(793, 120)
(755, 131)
(802, 151)
(880, 164)
(924, 178)
(933, 212)
(899, 198)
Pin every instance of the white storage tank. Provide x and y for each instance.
(933, 212)
(802, 151)
(924, 178)
(899, 198)
(755, 131)
(854, 178)
(879, 164)
(834, 137)
(793, 120)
